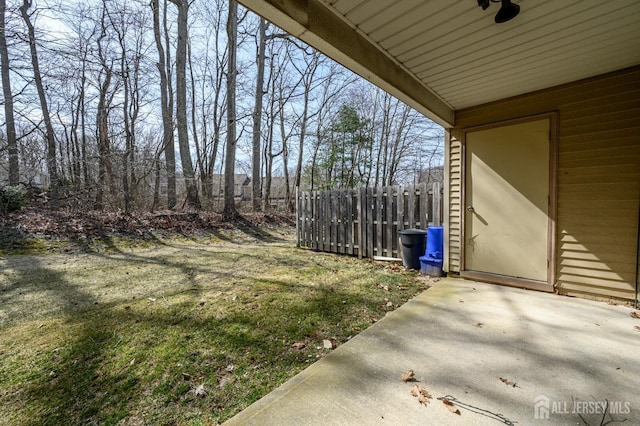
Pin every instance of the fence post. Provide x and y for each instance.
(411, 206)
(370, 227)
(297, 217)
(400, 208)
(422, 206)
(389, 213)
(339, 222)
(378, 212)
(361, 217)
(349, 220)
(437, 219)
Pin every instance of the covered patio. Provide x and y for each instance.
(542, 191)
(500, 354)
(542, 125)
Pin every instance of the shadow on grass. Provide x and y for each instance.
(143, 361)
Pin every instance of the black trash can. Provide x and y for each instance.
(413, 246)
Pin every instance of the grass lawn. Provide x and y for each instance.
(189, 331)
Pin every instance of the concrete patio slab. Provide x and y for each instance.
(567, 357)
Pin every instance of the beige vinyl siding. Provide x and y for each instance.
(455, 197)
(598, 177)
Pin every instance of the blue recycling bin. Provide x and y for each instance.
(435, 242)
(431, 262)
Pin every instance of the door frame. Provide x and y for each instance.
(549, 285)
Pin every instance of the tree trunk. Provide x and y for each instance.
(285, 154)
(52, 165)
(12, 142)
(83, 129)
(102, 119)
(194, 129)
(229, 208)
(166, 104)
(77, 179)
(181, 105)
(257, 118)
(156, 184)
(126, 184)
(303, 132)
(134, 110)
(102, 124)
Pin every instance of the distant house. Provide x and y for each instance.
(431, 175)
(241, 186)
(28, 176)
(278, 188)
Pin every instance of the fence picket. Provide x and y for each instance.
(349, 219)
(316, 220)
(340, 221)
(437, 201)
(361, 219)
(369, 222)
(379, 206)
(411, 208)
(326, 221)
(388, 244)
(401, 218)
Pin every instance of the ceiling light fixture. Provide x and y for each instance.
(507, 11)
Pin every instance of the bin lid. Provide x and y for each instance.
(412, 232)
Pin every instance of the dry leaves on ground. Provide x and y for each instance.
(71, 223)
(424, 397)
(328, 344)
(408, 376)
(451, 406)
(298, 345)
(635, 314)
(508, 382)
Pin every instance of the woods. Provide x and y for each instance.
(97, 96)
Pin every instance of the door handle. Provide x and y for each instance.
(470, 209)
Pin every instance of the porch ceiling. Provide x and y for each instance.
(441, 56)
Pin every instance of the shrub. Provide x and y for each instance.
(12, 198)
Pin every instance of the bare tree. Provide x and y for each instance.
(208, 68)
(52, 164)
(272, 114)
(105, 98)
(166, 100)
(181, 104)
(12, 143)
(257, 117)
(307, 68)
(229, 208)
(130, 108)
(331, 87)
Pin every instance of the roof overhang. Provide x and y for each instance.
(314, 23)
(442, 56)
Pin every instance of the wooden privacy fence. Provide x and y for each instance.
(365, 222)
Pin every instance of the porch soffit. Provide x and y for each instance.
(441, 56)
